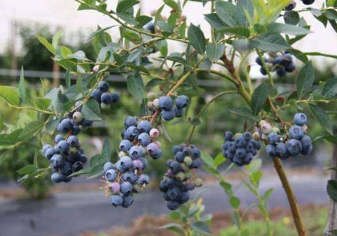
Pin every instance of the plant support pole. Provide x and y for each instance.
(332, 215)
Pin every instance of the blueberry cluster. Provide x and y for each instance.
(241, 148)
(125, 177)
(297, 142)
(103, 97)
(281, 64)
(169, 108)
(177, 181)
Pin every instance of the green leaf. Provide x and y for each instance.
(22, 87)
(97, 160)
(330, 88)
(332, 189)
(100, 30)
(270, 43)
(322, 117)
(29, 169)
(215, 51)
(174, 227)
(305, 79)
(10, 94)
(136, 86)
(207, 159)
(125, 5)
(235, 202)
(225, 185)
(106, 151)
(219, 159)
(192, 211)
(31, 130)
(42, 103)
(197, 38)
(91, 110)
(96, 171)
(81, 172)
(240, 31)
(214, 21)
(45, 43)
(201, 227)
(10, 139)
(259, 98)
(227, 13)
(175, 215)
(287, 29)
(291, 17)
(267, 194)
(174, 5)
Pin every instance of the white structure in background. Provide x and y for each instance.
(63, 13)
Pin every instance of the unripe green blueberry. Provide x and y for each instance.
(105, 106)
(198, 182)
(188, 161)
(154, 133)
(150, 105)
(77, 117)
(121, 154)
(180, 176)
(72, 150)
(188, 175)
(262, 122)
(256, 136)
(137, 188)
(156, 103)
(275, 130)
(266, 128)
(237, 135)
(264, 136)
(184, 167)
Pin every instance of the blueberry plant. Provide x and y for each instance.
(265, 30)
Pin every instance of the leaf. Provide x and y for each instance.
(270, 43)
(81, 172)
(227, 13)
(10, 94)
(192, 211)
(125, 5)
(259, 98)
(322, 117)
(29, 169)
(201, 227)
(197, 38)
(215, 51)
(330, 88)
(287, 29)
(219, 159)
(305, 79)
(267, 194)
(235, 202)
(22, 87)
(30, 130)
(96, 171)
(332, 189)
(100, 30)
(91, 110)
(225, 185)
(207, 159)
(174, 227)
(136, 86)
(175, 215)
(98, 159)
(291, 17)
(240, 31)
(45, 43)
(10, 139)
(245, 112)
(106, 151)
(214, 21)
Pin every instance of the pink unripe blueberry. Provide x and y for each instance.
(137, 165)
(77, 117)
(115, 187)
(266, 128)
(95, 69)
(262, 122)
(154, 133)
(156, 103)
(150, 105)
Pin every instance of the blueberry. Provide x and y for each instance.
(145, 162)
(291, 68)
(58, 138)
(77, 117)
(281, 71)
(116, 200)
(126, 162)
(150, 27)
(228, 136)
(87, 123)
(238, 161)
(130, 177)
(126, 188)
(240, 142)
(291, 6)
(174, 193)
(135, 152)
(115, 97)
(258, 61)
(66, 125)
(67, 179)
(179, 112)
(57, 161)
(96, 94)
(273, 138)
(127, 201)
(67, 169)
(76, 130)
(125, 145)
(77, 166)
(103, 86)
(144, 139)
(83, 159)
(130, 121)
(106, 98)
(179, 156)
(196, 164)
(277, 60)
(137, 165)
(172, 205)
(45, 148)
(185, 197)
(195, 153)
(232, 146)
(248, 158)
(175, 167)
(240, 152)
(143, 179)
(132, 132)
(175, 149)
(153, 150)
(72, 141)
(306, 145)
(181, 101)
(228, 154)
(247, 136)
(63, 147)
(144, 126)
(296, 132)
(111, 175)
(300, 119)
(294, 147)
(250, 147)
(308, 2)
(257, 144)
(271, 150)
(115, 187)
(165, 103)
(263, 71)
(50, 153)
(119, 167)
(281, 149)
(57, 177)
(168, 115)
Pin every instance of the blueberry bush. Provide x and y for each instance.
(162, 80)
